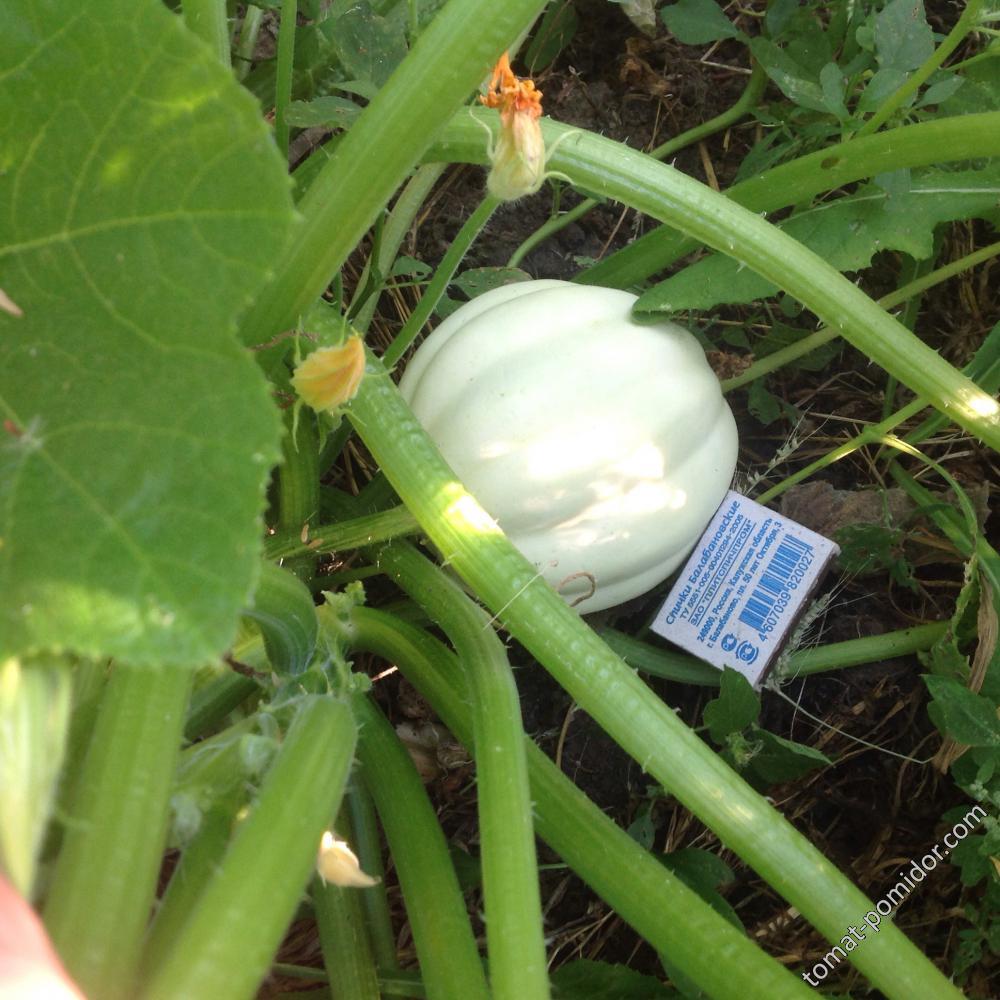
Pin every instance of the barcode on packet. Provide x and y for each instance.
(773, 581)
(740, 592)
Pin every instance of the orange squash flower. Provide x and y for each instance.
(330, 377)
(518, 160)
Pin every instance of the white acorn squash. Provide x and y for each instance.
(601, 446)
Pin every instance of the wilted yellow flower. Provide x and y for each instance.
(337, 864)
(519, 156)
(330, 377)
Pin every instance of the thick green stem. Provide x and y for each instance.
(948, 140)
(965, 24)
(414, 27)
(368, 847)
(449, 960)
(870, 649)
(616, 697)
(214, 697)
(510, 871)
(298, 485)
(442, 277)
(207, 20)
(343, 933)
(667, 663)
(226, 946)
(609, 168)
(833, 656)
(453, 54)
(195, 870)
(903, 294)
(283, 610)
(220, 696)
(350, 534)
(913, 269)
(749, 99)
(283, 85)
(105, 878)
(670, 916)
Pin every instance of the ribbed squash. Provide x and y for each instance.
(601, 446)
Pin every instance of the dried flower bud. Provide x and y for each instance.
(330, 377)
(337, 864)
(518, 160)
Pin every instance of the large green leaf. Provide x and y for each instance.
(897, 214)
(141, 203)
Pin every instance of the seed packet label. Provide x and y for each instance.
(743, 588)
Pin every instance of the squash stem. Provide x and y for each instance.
(400, 219)
(35, 699)
(343, 931)
(673, 666)
(514, 932)
(226, 947)
(368, 847)
(211, 703)
(449, 959)
(198, 864)
(247, 42)
(343, 535)
(105, 877)
(90, 679)
(913, 270)
(748, 100)
(298, 485)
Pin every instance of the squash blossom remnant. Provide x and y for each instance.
(330, 377)
(337, 864)
(519, 156)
